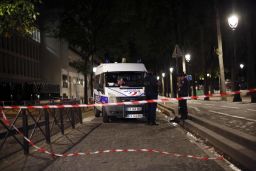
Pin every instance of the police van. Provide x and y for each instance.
(119, 82)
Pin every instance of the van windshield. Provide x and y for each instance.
(126, 79)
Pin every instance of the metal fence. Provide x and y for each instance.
(37, 125)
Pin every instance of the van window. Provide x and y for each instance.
(99, 81)
(129, 79)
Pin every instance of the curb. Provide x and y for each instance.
(236, 145)
(238, 153)
(235, 135)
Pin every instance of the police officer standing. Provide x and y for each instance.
(151, 92)
(183, 92)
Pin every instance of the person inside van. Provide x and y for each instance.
(120, 82)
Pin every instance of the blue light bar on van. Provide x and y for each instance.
(103, 99)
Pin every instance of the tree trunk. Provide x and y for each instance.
(220, 54)
(85, 84)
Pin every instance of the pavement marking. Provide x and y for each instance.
(239, 117)
(230, 107)
(252, 110)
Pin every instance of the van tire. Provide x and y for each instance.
(96, 112)
(105, 115)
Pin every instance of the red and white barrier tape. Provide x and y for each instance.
(43, 150)
(126, 103)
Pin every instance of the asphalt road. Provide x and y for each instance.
(237, 115)
(245, 111)
(134, 134)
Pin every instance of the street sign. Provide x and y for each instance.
(177, 53)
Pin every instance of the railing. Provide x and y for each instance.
(37, 125)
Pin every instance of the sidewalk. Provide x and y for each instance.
(180, 148)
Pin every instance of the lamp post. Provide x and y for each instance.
(233, 23)
(163, 75)
(171, 84)
(188, 58)
(243, 80)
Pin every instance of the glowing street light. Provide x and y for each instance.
(233, 21)
(163, 75)
(157, 77)
(241, 66)
(171, 70)
(188, 57)
(171, 88)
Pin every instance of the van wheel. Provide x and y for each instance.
(105, 115)
(96, 112)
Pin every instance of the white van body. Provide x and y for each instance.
(109, 89)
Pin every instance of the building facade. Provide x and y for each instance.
(38, 68)
(19, 67)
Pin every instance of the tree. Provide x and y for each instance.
(18, 16)
(81, 24)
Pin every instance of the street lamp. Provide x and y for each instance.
(163, 75)
(233, 23)
(188, 57)
(157, 77)
(241, 66)
(241, 71)
(171, 85)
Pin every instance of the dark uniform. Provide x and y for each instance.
(151, 92)
(183, 92)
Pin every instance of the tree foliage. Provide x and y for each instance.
(18, 16)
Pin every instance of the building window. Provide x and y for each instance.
(81, 82)
(64, 81)
(36, 35)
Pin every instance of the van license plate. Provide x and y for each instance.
(134, 116)
(132, 109)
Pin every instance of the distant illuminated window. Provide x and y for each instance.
(36, 35)
(64, 81)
